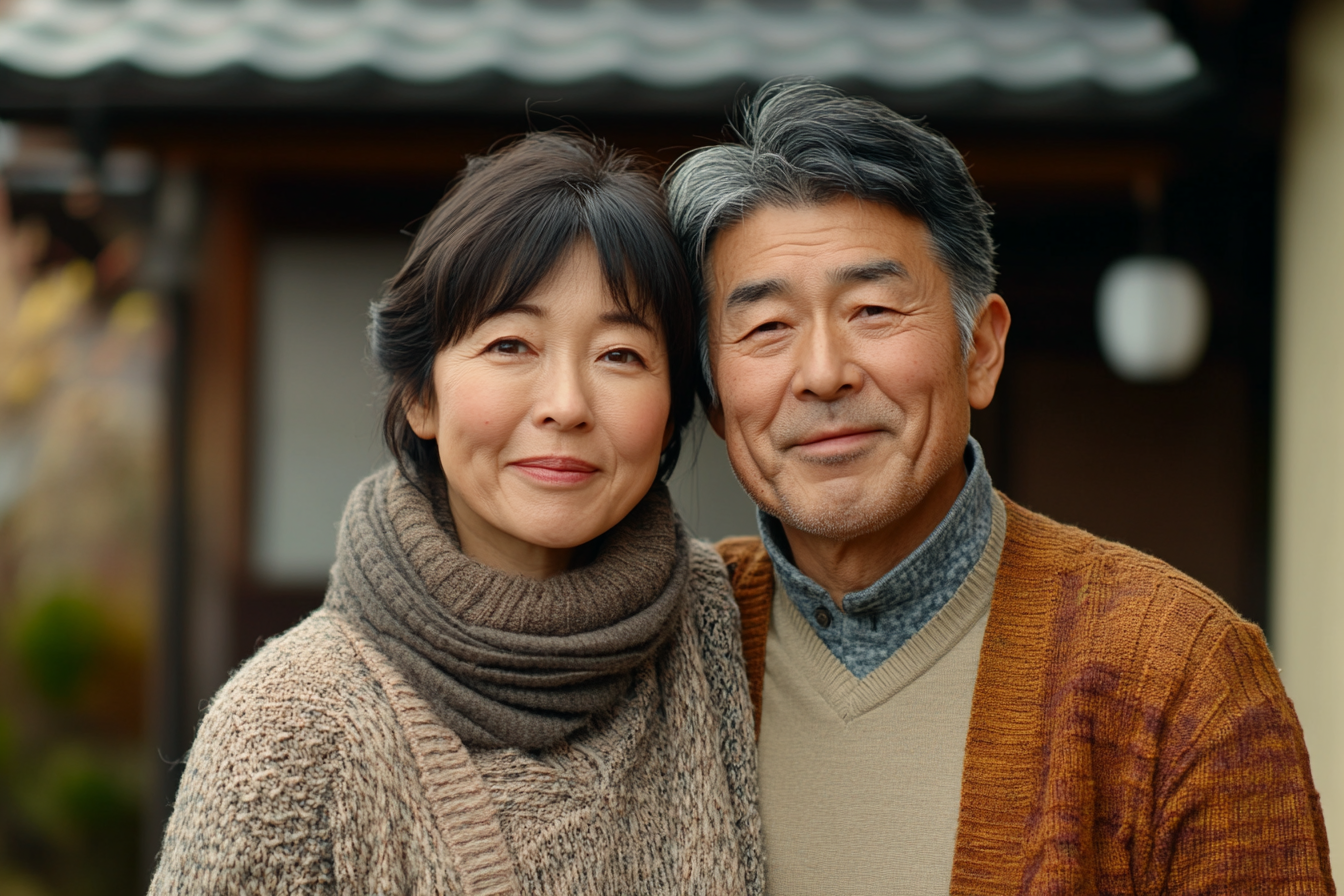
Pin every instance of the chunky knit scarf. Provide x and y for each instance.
(505, 660)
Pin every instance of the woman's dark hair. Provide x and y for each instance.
(508, 219)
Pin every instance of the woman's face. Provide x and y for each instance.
(550, 419)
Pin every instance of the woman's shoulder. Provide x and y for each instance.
(313, 664)
(715, 611)
(295, 749)
(709, 586)
(306, 698)
(288, 705)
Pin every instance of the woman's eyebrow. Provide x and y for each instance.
(626, 317)
(522, 308)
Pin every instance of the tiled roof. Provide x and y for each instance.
(1011, 46)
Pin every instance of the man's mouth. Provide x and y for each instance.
(835, 445)
(835, 438)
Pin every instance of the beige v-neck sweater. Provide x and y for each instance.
(861, 777)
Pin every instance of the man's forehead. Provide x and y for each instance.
(843, 239)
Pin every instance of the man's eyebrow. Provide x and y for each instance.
(753, 292)
(628, 318)
(872, 270)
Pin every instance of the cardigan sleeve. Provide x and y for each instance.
(1236, 810)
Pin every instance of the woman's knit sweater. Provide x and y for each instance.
(320, 769)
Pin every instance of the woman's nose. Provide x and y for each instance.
(562, 399)
(823, 370)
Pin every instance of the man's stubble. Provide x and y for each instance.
(841, 517)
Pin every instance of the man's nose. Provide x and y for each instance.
(824, 371)
(562, 397)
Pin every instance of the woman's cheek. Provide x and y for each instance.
(476, 411)
(642, 421)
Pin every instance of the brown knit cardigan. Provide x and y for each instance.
(1128, 734)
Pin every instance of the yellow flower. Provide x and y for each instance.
(134, 312)
(26, 379)
(52, 301)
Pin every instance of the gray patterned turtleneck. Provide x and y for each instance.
(879, 619)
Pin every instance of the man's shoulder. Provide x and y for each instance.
(1103, 601)
(1152, 701)
(739, 549)
(751, 576)
(1062, 556)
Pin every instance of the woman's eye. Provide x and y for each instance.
(622, 356)
(508, 347)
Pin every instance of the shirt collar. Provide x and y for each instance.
(942, 561)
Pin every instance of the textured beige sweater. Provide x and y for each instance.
(861, 777)
(318, 769)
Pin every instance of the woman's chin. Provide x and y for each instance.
(564, 536)
(564, 519)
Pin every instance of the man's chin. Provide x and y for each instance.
(837, 520)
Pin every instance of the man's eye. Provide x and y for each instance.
(767, 327)
(872, 310)
(508, 347)
(623, 356)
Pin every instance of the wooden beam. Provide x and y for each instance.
(391, 150)
(1092, 166)
(279, 150)
(218, 421)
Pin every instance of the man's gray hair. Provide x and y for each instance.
(805, 143)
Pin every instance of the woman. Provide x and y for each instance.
(525, 677)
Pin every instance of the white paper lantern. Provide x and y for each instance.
(1152, 318)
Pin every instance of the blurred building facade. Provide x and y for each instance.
(286, 148)
(81, 345)
(1307, 586)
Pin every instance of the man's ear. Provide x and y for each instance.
(984, 362)
(715, 416)
(423, 416)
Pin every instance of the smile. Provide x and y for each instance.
(556, 470)
(836, 442)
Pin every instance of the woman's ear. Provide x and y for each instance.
(668, 430)
(422, 413)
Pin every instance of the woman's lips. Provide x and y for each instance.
(556, 470)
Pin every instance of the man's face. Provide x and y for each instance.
(836, 356)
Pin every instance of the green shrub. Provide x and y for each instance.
(57, 642)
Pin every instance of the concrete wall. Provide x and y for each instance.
(1307, 585)
(318, 421)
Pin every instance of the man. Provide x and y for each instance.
(953, 693)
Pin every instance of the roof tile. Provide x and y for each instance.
(1013, 45)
